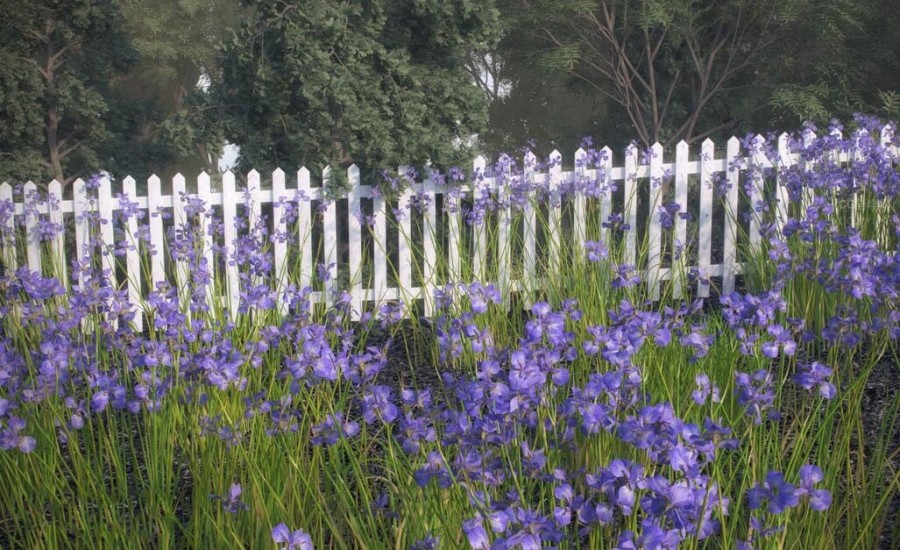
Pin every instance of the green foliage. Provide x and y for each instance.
(377, 83)
(56, 62)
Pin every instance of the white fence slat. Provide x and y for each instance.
(480, 192)
(430, 236)
(279, 241)
(133, 257)
(404, 235)
(179, 222)
(504, 244)
(631, 164)
(731, 217)
(808, 193)
(32, 238)
(554, 211)
(304, 228)
(107, 234)
(229, 216)
(579, 223)
(707, 152)
(251, 199)
(529, 249)
(605, 174)
(455, 244)
(205, 194)
(654, 228)
(157, 238)
(380, 245)
(354, 233)
(59, 269)
(329, 241)
(81, 206)
(9, 242)
(783, 197)
(682, 152)
(757, 198)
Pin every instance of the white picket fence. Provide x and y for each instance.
(631, 173)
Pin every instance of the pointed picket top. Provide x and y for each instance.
(32, 241)
(326, 176)
(887, 135)
(127, 183)
(303, 177)
(253, 179)
(5, 191)
(29, 189)
(353, 176)
(530, 161)
(277, 173)
(54, 187)
(580, 159)
(657, 148)
(203, 187)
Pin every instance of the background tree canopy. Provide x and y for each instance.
(89, 85)
(376, 83)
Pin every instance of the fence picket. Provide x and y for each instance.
(133, 257)
(58, 244)
(404, 235)
(579, 223)
(81, 208)
(682, 154)
(158, 248)
(179, 221)
(430, 236)
(757, 198)
(783, 199)
(554, 238)
(8, 239)
(654, 229)
(32, 218)
(279, 243)
(380, 245)
(631, 164)
(707, 152)
(354, 234)
(605, 174)
(329, 241)
(480, 194)
(204, 194)
(229, 215)
(529, 249)
(304, 227)
(733, 175)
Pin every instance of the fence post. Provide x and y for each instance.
(707, 154)
(682, 154)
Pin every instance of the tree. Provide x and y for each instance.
(377, 83)
(57, 59)
(178, 42)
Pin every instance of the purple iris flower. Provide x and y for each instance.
(288, 540)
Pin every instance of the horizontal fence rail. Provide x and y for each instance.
(313, 239)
